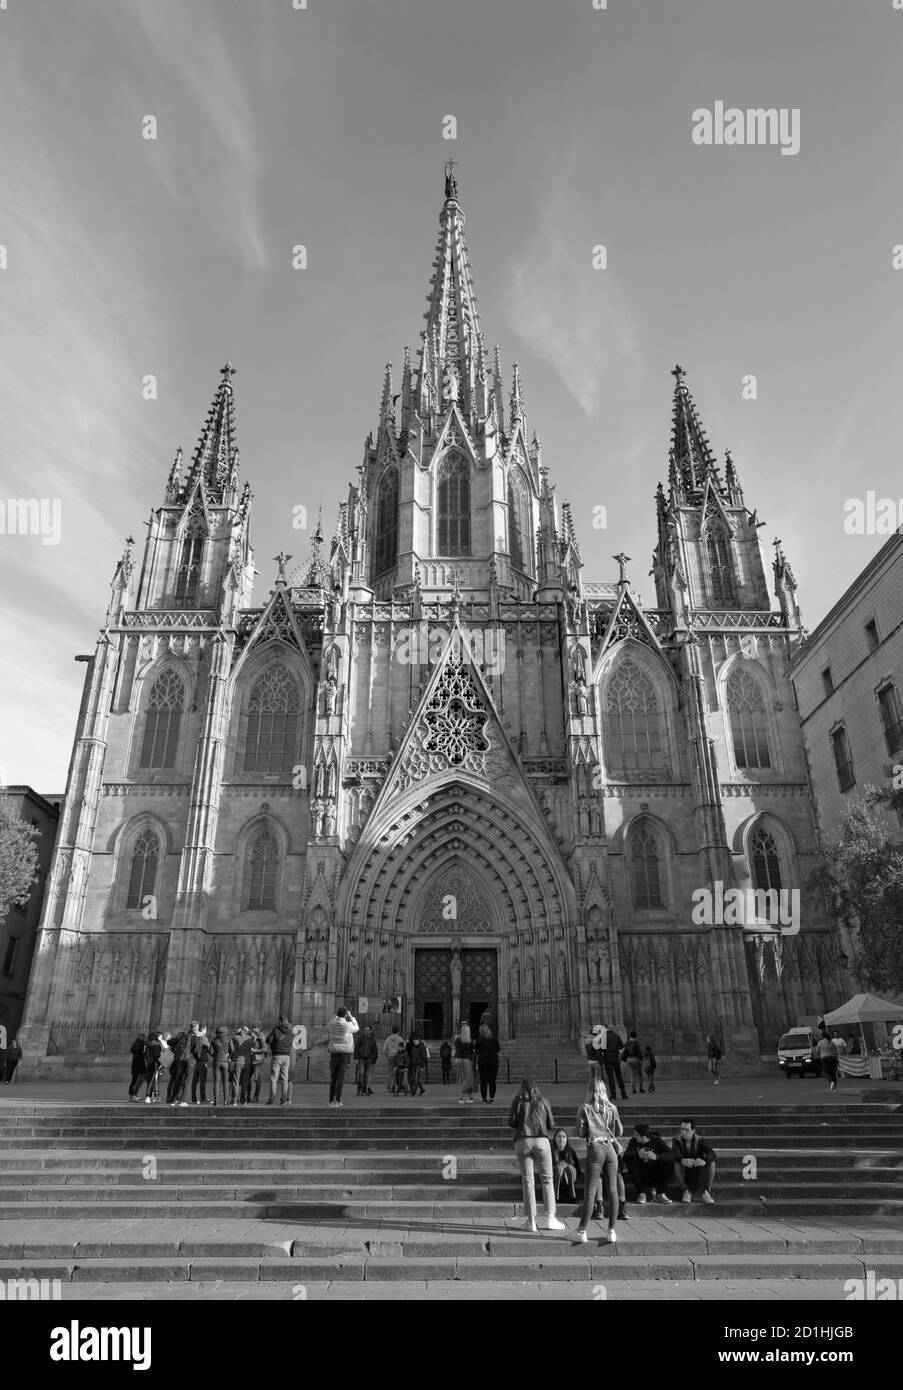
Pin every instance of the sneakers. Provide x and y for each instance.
(529, 1225)
(553, 1224)
(183, 1104)
(462, 1101)
(332, 1105)
(707, 1197)
(611, 1238)
(665, 1201)
(580, 1237)
(147, 1100)
(642, 1199)
(622, 1214)
(716, 1081)
(686, 1198)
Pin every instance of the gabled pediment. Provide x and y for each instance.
(277, 623)
(627, 620)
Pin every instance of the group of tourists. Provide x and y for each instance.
(234, 1062)
(482, 1053)
(649, 1162)
(605, 1048)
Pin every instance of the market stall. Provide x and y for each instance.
(862, 1010)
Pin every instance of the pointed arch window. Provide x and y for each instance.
(747, 715)
(519, 524)
(645, 869)
(766, 864)
(634, 721)
(719, 565)
(188, 578)
(143, 869)
(453, 506)
(261, 868)
(163, 721)
(274, 717)
(387, 523)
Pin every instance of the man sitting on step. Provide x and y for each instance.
(650, 1163)
(694, 1163)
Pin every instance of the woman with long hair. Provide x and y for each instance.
(532, 1120)
(464, 1057)
(599, 1123)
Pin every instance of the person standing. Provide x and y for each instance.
(401, 1065)
(419, 1057)
(826, 1052)
(445, 1057)
(199, 1080)
(13, 1058)
(599, 1123)
(258, 1058)
(487, 1053)
(390, 1049)
(280, 1041)
(240, 1054)
(713, 1055)
(611, 1060)
(2, 1049)
(341, 1031)
(650, 1163)
(694, 1163)
(633, 1056)
(366, 1053)
(464, 1057)
(532, 1120)
(139, 1066)
(650, 1066)
(184, 1054)
(220, 1058)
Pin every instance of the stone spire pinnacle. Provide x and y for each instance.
(215, 460)
(453, 330)
(516, 410)
(692, 455)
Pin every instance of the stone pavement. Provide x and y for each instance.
(443, 1291)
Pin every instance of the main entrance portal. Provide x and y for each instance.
(433, 990)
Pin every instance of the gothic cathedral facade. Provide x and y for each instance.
(437, 765)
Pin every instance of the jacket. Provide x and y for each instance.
(392, 1044)
(366, 1049)
(654, 1141)
(258, 1049)
(649, 1062)
(632, 1049)
(596, 1127)
(203, 1049)
(152, 1053)
(220, 1050)
(487, 1050)
(613, 1044)
(240, 1047)
(400, 1060)
(531, 1119)
(139, 1050)
(280, 1040)
(419, 1055)
(565, 1156)
(445, 1054)
(713, 1051)
(185, 1046)
(692, 1148)
(463, 1049)
(341, 1033)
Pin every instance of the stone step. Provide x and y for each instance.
(605, 1264)
(320, 1143)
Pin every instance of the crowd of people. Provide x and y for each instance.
(649, 1162)
(233, 1064)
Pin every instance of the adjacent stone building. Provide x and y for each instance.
(436, 762)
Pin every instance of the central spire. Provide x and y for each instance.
(451, 359)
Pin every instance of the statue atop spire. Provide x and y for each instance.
(451, 184)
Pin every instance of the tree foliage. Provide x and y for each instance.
(860, 873)
(18, 856)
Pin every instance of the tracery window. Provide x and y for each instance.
(261, 868)
(162, 721)
(645, 869)
(453, 506)
(747, 715)
(722, 584)
(519, 524)
(387, 523)
(188, 577)
(274, 719)
(143, 869)
(634, 722)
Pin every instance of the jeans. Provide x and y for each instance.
(338, 1065)
(601, 1176)
(199, 1081)
(221, 1083)
(416, 1077)
(446, 1074)
(696, 1179)
(566, 1176)
(635, 1067)
(465, 1075)
(239, 1080)
(538, 1151)
(613, 1077)
(365, 1068)
(139, 1072)
(829, 1066)
(256, 1079)
(281, 1071)
(489, 1070)
(184, 1088)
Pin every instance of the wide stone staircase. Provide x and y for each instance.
(124, 1194)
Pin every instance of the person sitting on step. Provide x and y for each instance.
(565, 1166)
(650, 1164)
(694, 1163)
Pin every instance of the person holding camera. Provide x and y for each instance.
(341, 1031)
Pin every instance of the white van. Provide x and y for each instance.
(796, 1052)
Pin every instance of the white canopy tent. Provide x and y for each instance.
(864, 1008)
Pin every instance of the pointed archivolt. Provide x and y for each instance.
(713, 508)
(277, 623)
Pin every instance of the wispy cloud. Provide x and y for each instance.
(574, 317)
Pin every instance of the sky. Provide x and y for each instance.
(323, 126)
